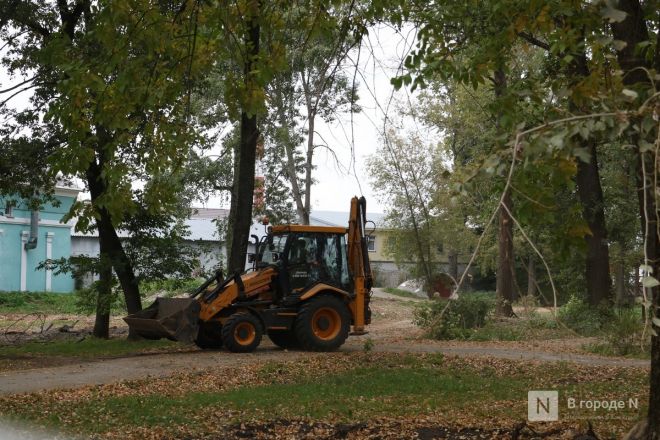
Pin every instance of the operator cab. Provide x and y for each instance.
(305, 256)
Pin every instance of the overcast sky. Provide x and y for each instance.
(379, 59)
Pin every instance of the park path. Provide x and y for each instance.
(390, 332)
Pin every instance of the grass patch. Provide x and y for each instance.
(400, 292)
(365, 387)
(531, 327)
(356, 395)
(606, 349)
(87, 348)
(38, 302)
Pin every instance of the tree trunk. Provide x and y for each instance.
(121, 264)
(648, 208)
(111, 250)
(599, 281)
(242, 194)
(311, 116)
(620, 278)
(104, 294)
(590, 193)
(452, 259)
(531, 277)
(633, 30)
(504, 285)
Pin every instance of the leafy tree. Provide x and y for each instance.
(318, 39)
(402, 172)
(573, 38)
(107, 80)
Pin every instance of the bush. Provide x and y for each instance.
(528, 304)
(583, 318)
(623, 333)
(464, 314)
(170, 286)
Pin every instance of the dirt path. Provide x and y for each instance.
(391, 331)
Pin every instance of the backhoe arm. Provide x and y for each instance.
(358, 262)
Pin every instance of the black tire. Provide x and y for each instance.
(209, 336)
(242, 332)
(322, 324)
(284, 338)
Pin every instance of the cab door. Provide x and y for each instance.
(317, 257)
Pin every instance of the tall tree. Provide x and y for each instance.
(636, 59)
(568, 31)
(505, 261)
(240, 217)
(319, 40)
(107, 79)
(403, 172)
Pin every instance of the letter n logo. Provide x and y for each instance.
(542, 406)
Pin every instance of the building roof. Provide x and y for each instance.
(340, 218)
(202, 226)
(309, 228)
(200, 212)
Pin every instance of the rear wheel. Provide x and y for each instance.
(283, 338)
(241, 332)
(323, 323)
(209, 335)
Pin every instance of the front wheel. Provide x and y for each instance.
(323, 323)
(241, 332)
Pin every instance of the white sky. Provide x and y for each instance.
(380, 57)
(352, 141)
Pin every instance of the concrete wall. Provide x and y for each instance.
(17, 264)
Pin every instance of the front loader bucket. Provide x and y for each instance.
(172, 318)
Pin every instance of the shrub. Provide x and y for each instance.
(468, 312)
(87, 299)
(583, 318)
(170, 286)
(528, 304)
(623, 332)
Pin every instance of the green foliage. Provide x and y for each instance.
(583, 318)
(158, 248)
(170, 286)
(37, 302)
(468, 312)
(87, 300)
(623, 335)
(368, 345)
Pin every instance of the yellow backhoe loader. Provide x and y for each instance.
(307, 286)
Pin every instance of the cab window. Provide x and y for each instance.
(273, 246)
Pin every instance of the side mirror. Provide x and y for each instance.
(252, 258)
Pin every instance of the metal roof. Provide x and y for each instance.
(340, 218)
(202, 226)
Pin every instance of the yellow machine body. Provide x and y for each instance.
(307, 287)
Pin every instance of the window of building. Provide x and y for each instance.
(9, 208)
(371, 244)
